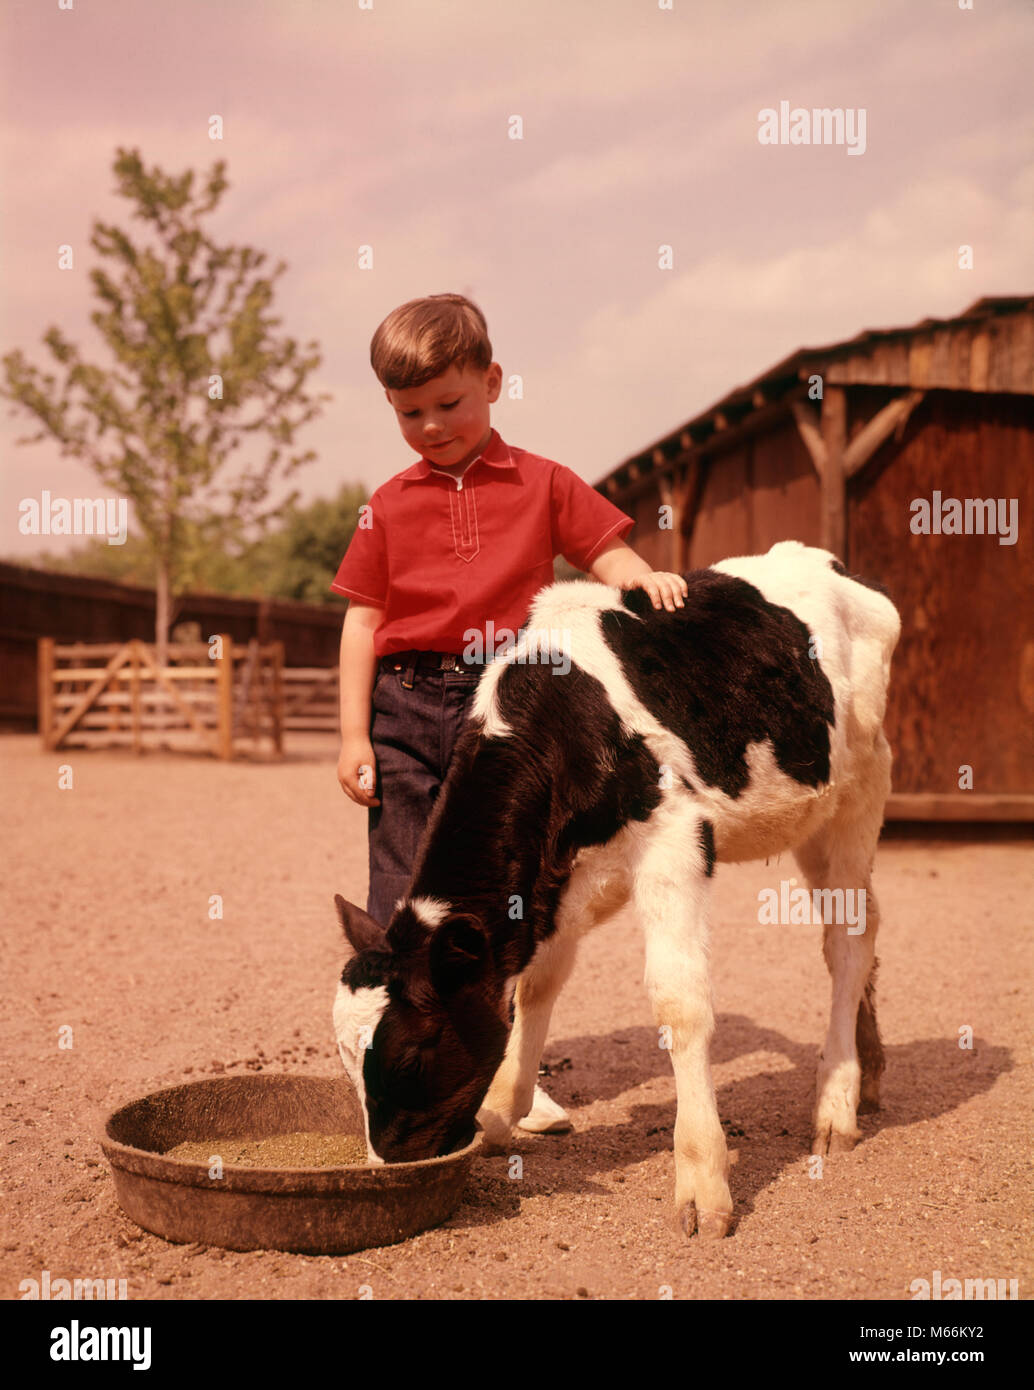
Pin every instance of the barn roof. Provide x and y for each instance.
(988, 347)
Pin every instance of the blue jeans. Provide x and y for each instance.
(418, 714)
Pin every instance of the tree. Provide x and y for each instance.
(198, 370)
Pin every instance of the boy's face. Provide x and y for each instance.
(448, 419)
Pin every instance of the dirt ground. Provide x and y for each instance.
(106, 930)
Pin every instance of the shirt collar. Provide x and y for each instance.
(495, 452)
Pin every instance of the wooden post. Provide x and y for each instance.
(135, 701)
(675, 537)
(670, 498)
(45, 698)
(224, 698)
(833, 489)
(114, 716)
(248, 711)
(278, 697)
(809, 427)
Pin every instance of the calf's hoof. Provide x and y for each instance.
(496, 1134)
(493, 1148)
(708, 1225)
(833, 1141)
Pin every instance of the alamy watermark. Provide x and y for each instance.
(48, 1288)
(75, 516)
(953, 1289)
(970, 516)
(788, 906)
(525, 647)
(81, 1342)
(819, 125)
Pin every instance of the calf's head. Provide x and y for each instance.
(419, 1026)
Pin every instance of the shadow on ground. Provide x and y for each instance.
(766, 1116)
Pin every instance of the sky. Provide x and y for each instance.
(389, 124)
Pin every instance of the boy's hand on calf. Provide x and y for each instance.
(617, 564)
(357, 771)
(663, 588)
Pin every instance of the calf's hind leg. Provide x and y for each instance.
(851, 1063)
(851, 962)
(672, 895)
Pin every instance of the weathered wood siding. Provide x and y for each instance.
(763, 491)
(963, 681)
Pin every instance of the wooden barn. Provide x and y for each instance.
(888, 449)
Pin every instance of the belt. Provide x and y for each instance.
(413, 661)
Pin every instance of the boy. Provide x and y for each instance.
(465, 536)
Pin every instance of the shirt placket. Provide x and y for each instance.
(464, 517)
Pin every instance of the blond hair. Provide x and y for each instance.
(425, 337)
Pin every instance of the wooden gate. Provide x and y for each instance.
(115, 695)
(311, 698)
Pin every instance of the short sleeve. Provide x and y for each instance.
(583, 520)
(363, 573)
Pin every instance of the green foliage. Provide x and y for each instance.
(198, 370)
(301, 557)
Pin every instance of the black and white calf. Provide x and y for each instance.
(746, 723)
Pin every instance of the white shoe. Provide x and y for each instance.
(545, 1116)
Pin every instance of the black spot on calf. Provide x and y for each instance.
(707, 844)
(727, 670)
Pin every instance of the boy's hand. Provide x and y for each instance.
(663, 588)
(357, 771)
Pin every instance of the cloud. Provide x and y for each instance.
(719, 323)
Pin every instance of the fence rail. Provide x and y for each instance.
(205, 698)
(311, 698)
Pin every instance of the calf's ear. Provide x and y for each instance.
(458, 954)
(360, 928)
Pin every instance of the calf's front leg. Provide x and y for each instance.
(597, 889)
(512, 1090)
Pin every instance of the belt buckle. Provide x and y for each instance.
(448, 661)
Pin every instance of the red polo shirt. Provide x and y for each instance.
(442, 555)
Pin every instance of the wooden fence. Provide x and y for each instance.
(114, 694)
(311, 698)
(73, 608)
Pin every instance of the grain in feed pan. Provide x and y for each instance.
(315, 1211)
